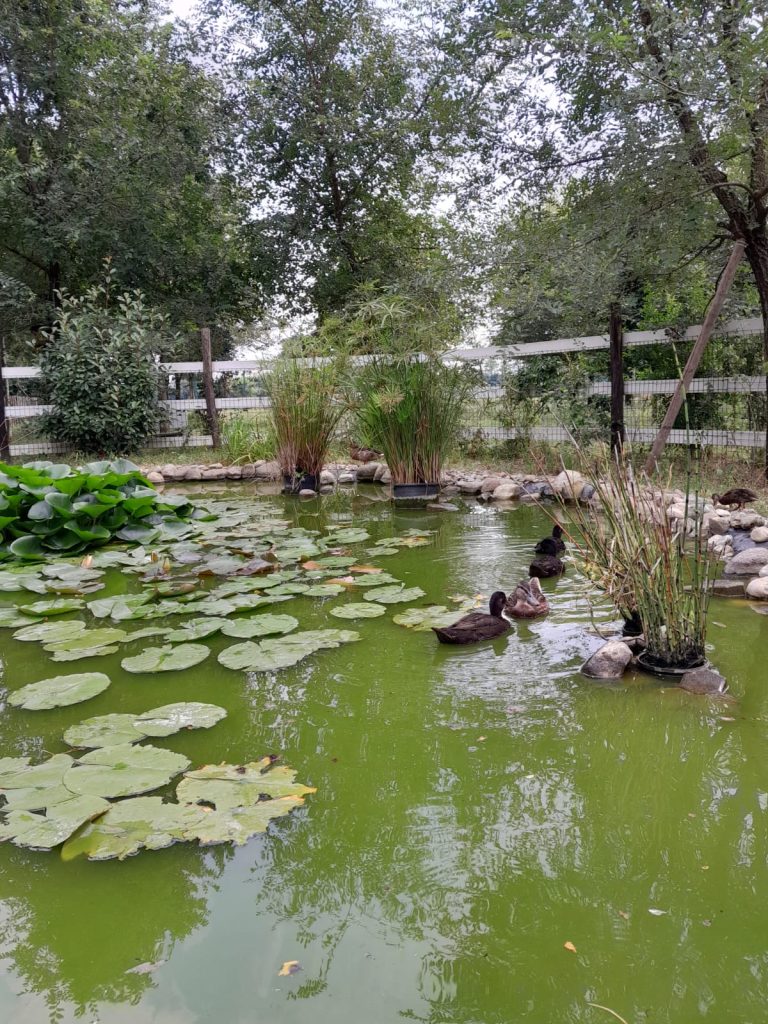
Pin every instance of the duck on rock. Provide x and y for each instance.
(557, 537)
(546, 563)
(527, 600)
(477, 626)
(737, 496)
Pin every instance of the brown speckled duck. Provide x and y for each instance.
(477, 626)
(546, 563)
(737, 496)
(527, 600)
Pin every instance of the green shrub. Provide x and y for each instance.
(100, 372)
(245, 437)
(49, 509)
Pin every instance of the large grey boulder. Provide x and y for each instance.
(569, 484)
(267, 471)
(703, 680)
(367, 472)
(490, 483)
(757, 588)
(470, 485)
(506, 492)
(747, 563)
(610, 662)
(728, 588)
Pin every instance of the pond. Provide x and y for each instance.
(476, 809)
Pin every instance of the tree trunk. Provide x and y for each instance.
(5, 439)
(617, 379)
(757, 255)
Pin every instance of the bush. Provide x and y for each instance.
(245, 439)
(100, 372)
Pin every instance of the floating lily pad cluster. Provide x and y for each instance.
(52, 509)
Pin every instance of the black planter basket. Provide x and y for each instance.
(299, 482)
(649, 664)
(415, 492)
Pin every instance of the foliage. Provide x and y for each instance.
(646, 563)
(306, 407)
(111, 730)
(246, 438)
(100, 373)
(59, 691)
(49, 509)
(411, 409)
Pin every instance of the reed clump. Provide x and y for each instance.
(648, 565)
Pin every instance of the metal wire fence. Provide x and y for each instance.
(550, 391)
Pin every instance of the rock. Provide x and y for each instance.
(267, 471)
(327, 478)
(386, 477)
(757, 588)
(155, 477)
(347, 478)
(234, 473)
(676, 511)
(449, 489)
(759, 535)
(718, 544)
(215, 465)
(763, 571)
(747, 563)
(327, 489)
(470, 485)
(728, 588)
(380, 471)
(169, 470)
(367, 472)
(587, 492)
(746, 520)
(193, 473)
(442, 506)
(529, 499)
(532, 488)
(703, 680)
(505, 492)
(610, 662)
(214, 473)
(741, 541)
(248, 471)
(714, 525)
(490, 483)
(569, 484)
(307, 492)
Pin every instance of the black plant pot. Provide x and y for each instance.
(648, 663)
(299, 482)
(415, 492)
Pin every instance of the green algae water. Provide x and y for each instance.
(476, 809)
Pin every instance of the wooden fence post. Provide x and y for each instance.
(210, 398)
(5, 434)
(692, 365)
(616, 332)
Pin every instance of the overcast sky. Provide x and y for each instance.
(181, 8)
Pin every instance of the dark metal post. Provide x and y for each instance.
(616, 332)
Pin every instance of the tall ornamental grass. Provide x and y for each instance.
(646, 563)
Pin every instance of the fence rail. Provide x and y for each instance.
(738, 419)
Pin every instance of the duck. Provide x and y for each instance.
(359, 454)
(527, 600)
(738, 496)
(546, 563)
(477, 626)
(557, 537)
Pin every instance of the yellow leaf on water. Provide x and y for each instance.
(569, 946)
(289, 967)
(624, 914)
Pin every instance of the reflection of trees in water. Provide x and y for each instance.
(71, 931)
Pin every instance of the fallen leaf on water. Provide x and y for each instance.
(289, 967)
(691, 814)
(705, 867)
(480, 739)
(624, 914)
(727, 718)
(344, 581)
(569, 946)
(145, 968)
(707, 923)
(310, 566)
(656, 912)
(364, 568)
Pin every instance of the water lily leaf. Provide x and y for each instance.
(350, 535)
(334, 562)
(228, 786)
(88, 652)
(289, 589)
(376, 580)
(423, 619)
(394, 595)
(144, 822)
(18, 776)
(358, 611)
(166, 659)
(381, 550)
(112, 730)
(196, 629)
(246, 602)
(10, 618)
(296, 550)
(239, 824)
(59, 691)
(19, 578)
(284, 651)
(217, 607)
(56, 606)
(123, 770)
(118, 608)
(325, 590)
(222, 565)
(238, 586)
(43, 831)
(259, 625)
(28, 547)
(87, 640)
(50, 632)
(412, 541)
(68, 571)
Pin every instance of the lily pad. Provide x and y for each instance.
(259, 625)
(394, 595)
(111, 730)
(88, 652)
(358, 611)
(382, 550)
(381, 579)
(43, 831)
(123, 770)
(55, 606)
(166, 659)
(10, 618)
(144, 822)
(347, 535)
(227, 786)
(324, 590)
(59, 691)
(284, 651)
(196, 629)
(87, 640)
(423, 619)
(50, 632)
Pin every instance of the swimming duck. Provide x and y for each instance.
(738, 496)
(546, 563)
(476, 626)
(527, 600)
(557, 537)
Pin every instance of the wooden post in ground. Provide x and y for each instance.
(713, 311)
(210, 398)
(5, 436)
(616, 332)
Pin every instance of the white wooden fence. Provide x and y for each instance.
(18, 409)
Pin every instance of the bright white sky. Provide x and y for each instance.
(181, 8)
